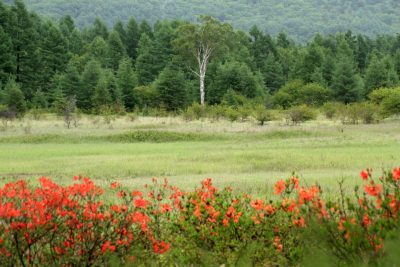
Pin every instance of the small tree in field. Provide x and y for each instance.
(69, 112)
(199, 43)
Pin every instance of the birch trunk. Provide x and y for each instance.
(202, 87)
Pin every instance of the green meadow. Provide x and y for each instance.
(243, 155)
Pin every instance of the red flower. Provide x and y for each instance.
(396, 174)
(160, 247)
(372, 189)
(107, 246)
(366, 220)
(166, 208)
(299, 223)
(257, 204)
(364, 175)
(115, 185)
(140, 203)
(279, 187)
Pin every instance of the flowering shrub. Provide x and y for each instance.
(76, 225)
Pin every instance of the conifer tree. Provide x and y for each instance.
(172, 88)
(146, 67)
(7, 59)
(90, 78)
(132, 38)
(116, 50)
(126, 82)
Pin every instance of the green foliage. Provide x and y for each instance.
(171, 87)
(147, 96)
(299, 19)
(146, 69)
(42, 55)
(302, 113)
(90, 78)
(296, 93)
(262, 115)
(102, 95)
(194, 112)
(7, 59)
(14, 98)
(132, 38)
(388, 99)
(380, 73)
(237, 77)
(345, 83)
(391, 105)
(126, 82)
(116, 50)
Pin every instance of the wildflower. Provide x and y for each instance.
(115, 185)
(372, 189)
(396, 174)
(366, 220)
(299, 223)
(141, 203)
(279, 187)
(166, 208)
(107, 246)
(277, 243)
(364, 175)
(160, 247)
(257, 204)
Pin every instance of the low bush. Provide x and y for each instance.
(262, 115)
(299, 114)
(77, 226)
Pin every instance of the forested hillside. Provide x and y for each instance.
(301, 19)
(49, 64)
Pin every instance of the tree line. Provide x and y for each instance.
(299, 18)
(171, 64)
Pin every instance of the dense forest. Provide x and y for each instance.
(300, 19)
(137, 65)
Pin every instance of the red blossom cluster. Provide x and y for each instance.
(76, 225)
(71, 222)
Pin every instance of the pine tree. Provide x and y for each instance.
(71, 80)
(145, 28)
(376, 75)
(132, 38)
(116, 50)
(126, 82)
(99, 29)
(53, 53)
(14, 97)
(312, 60)
(344, 81)
(90, 77)
(102, 96)
(262, 45)
(396, 62)
(273, 74)
(39, 100)
(327, 69)
(98, 50)
(120, 28)
(235, 76)
(171, 87)
(24, 38)
(146, 67)
(7, 59)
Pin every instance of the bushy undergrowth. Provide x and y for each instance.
(162, 225)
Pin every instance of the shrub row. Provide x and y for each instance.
(77, 226)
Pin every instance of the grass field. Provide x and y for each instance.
(241, 154)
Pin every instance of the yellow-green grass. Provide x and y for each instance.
(243, 155)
